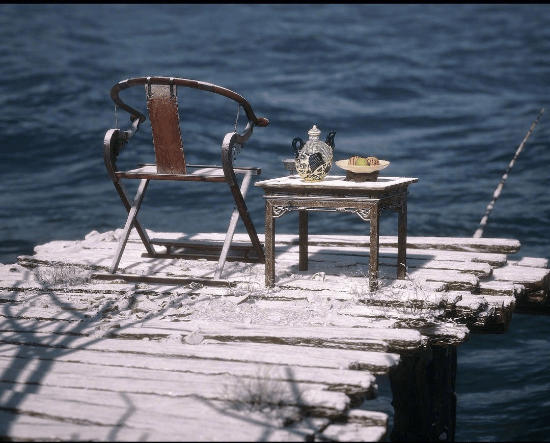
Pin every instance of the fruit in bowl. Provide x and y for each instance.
(363, 161)
(361, 169)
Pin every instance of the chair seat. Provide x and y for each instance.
(198, 173)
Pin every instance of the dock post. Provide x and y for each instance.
(424, 398)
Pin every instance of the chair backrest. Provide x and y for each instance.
(162, 105)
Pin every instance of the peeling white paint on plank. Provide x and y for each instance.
(70, 414)
(305, 356)
(351, 381)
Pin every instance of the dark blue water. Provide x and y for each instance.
(446, 93)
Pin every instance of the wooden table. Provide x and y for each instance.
(334, 193)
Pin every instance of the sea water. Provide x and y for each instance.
(446, 93)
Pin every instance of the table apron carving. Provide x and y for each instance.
(362, 207)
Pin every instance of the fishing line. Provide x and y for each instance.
(479, 232)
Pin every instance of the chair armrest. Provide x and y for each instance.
(262, 122)
(130, 132)
(229, 143)
(113, 142)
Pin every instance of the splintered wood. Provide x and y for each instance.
(83, 358)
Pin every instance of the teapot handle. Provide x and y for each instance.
(295, 148)
(330, 139)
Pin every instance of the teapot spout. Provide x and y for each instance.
(330, 139)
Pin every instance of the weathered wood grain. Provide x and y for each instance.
(43, 346)
(219, 374)
(533, 278)
(75, 414)
(467, 244)
(496, 287)
(183, 383)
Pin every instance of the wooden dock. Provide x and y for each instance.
(88, 359)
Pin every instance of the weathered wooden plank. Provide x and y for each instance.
(94, 307)
(163, 279)
(533, 262)
(350, 262)
(454, 280)
(18, 278)
(500, 245)
(404, 295)
(345, 288)
(494, 317)
(442, 279)
(374, 313)
(305, 356)
(348, 381)
(69, 414)
(467, 244)
(480, 315)
(356, 322)
(532, 278)
(130, 264)
(353, 432)
(384, 340)
(367, 339)
(335, 241)
(397, 312)
(470, 303)
(444, 334)
(479, 269)
(493, 259)
(505, 302)
(496, 287)
(280, 385)
(358, 425)
(436, 331)
(387, 255)
(91, 252)
(292, 293)
(325, 309)
(38, 313)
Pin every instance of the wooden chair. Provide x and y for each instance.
(162, 104)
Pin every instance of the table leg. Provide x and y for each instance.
(402, 241)
(374, 247)
(269, 245)
(303, 239)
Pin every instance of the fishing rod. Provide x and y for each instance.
(496, 194)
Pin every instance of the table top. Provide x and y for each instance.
(334, 183)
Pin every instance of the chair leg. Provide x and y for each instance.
(231, 230)
(247, 220)
(130, 221)
(141, 232)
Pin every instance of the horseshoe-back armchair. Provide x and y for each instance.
(161, 95)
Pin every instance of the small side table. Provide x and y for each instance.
(366, 199)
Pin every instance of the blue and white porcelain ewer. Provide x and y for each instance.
(314, 158)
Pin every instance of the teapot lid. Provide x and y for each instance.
(314, 133)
